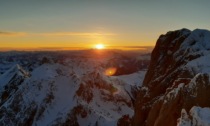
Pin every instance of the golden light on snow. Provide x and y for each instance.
(110, 71)
(99, 46)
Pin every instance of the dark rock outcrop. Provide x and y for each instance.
(178, 78)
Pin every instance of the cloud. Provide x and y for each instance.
(75, 34)
(5, 33)
(41, 48)
(60, 48)
(133, 47)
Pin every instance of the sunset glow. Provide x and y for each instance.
(63, 25)
(99, 46)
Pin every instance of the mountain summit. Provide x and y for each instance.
(177, 81)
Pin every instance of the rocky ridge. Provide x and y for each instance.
(178, 78)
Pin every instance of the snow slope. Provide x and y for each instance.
(197, 117)
(70, 91)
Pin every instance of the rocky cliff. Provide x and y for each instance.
(177, 78)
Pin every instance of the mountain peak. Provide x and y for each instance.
(12, 74)
(179, 58)
(20, 70)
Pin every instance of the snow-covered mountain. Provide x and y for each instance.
(176, 88)
(103, 88)
(197, 117)
(68, 88)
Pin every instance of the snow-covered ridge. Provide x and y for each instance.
(196, 44)
(67, 90)
(15, 70)
(197, 117)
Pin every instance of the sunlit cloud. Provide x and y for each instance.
(41, 48)
(5, 33)
(75, 34)
(60, 48)
(131, 47)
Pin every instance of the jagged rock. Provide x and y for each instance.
(177, 78)
(197, 117)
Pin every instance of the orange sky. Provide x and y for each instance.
(67, 40)
(75, 24)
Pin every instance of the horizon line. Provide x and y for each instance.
(6, 49)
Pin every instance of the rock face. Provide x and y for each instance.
(178, 78)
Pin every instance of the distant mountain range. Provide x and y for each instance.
(69, 87)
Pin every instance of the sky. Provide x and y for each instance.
(78, 24)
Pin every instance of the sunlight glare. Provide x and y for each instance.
(110, 71)
(99, 46)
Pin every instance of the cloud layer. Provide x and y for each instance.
(6, 33)
(75, 34)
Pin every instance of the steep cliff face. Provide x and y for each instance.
(177, 78)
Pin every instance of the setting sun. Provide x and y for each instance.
(99, 46)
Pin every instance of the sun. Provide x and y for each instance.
(99, 46)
